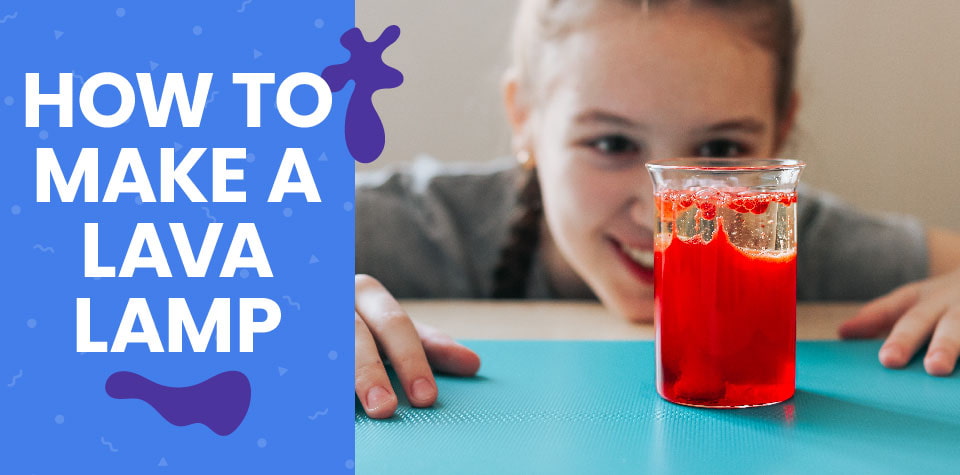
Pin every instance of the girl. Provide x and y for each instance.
(597, 89)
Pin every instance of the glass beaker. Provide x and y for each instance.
(725, 291)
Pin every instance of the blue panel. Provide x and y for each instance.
(55, 413)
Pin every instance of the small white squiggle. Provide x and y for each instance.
(77, 75)
(108, 444)
(207, 210)
(14, 15)
(13, 382)
(243, 6)
(291, 302)
(213, 95)
(44, 248)
(318, 414)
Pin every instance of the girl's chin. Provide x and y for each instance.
(625, 297)
(640, 317)
(635, 310)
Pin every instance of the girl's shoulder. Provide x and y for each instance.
(433, 229)
(847, 253)
(425, 175)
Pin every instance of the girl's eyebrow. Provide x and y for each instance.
(747, 125)
(596, 115)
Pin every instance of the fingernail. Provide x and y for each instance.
(938, 355)
(423, 390)
(376, 397)
(938, 363)
(890, 355)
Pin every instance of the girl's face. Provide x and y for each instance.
(616, 93)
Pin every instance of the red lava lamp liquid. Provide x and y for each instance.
(725, 293)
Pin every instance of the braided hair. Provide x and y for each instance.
(512, 271)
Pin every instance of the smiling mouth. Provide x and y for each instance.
(642, 257)
(639, 261)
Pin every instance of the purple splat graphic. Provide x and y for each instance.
(363, 128)
(219, 403)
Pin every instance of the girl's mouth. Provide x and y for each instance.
(638, 260)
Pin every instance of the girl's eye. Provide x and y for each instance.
(614, 145)
(721, 148)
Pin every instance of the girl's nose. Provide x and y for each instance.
(640, 211)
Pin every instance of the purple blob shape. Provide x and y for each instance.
(363, 128)
(219, 403)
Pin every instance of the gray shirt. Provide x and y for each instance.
(435, 230)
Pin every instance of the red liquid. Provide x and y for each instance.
(726, 323)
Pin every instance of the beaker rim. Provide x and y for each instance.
(725, 164)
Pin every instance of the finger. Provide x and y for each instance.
(445, 354)
(371, 381)
(879, 315)
(909, 333)
(396, 336)
(945, 345)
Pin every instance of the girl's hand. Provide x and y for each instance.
(913, 314)
(382, 327)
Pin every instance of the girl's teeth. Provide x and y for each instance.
(642, 257)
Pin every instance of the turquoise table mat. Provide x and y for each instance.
(592, 407)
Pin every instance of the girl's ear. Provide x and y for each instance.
(517, 112)
(786, 124)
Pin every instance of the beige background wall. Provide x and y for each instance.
(880, 79)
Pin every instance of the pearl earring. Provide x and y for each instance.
(525, 159)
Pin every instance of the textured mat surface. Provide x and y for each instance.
(592, 407)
